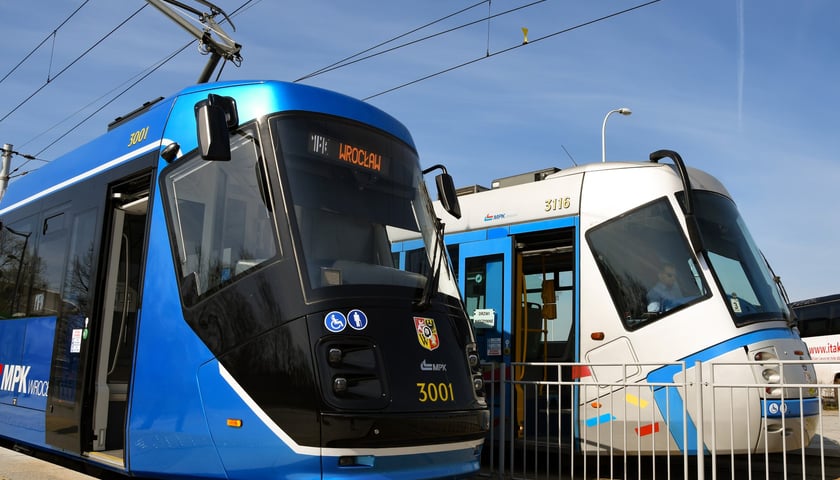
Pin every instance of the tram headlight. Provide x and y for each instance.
(771, 375)
(340, 385)
(334, 356)
(478, 383)
(473, 359)
(773, 391)
(764, 356)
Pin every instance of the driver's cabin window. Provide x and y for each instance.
(646, 263)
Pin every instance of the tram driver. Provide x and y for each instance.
(664, 295)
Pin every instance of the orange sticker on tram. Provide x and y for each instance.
(648, 429)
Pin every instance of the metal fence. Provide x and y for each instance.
(555, 421)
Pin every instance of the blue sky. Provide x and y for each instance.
(746, 90)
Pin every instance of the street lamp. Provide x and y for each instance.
(623, 111)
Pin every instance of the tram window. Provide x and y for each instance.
(17, 243)
(736, 261)
(76, 301)
(45, 298)
(76, 292)
(475, 291)
(222, 224)
(733, 278)
(454, 253)
(646, 263)
(560, 322)
(417, 261)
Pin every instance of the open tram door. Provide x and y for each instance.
(94, 344)
(543, 329)
(519, 290)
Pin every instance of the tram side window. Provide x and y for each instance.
(45, 295)
(475, 286)
(80, 263)
(221, 222)
(17, 245)
(76, 303)
(32, 266)
(646, 263)
(417, 260)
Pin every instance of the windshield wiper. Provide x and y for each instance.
(791, 320)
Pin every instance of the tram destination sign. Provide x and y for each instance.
(348, 153)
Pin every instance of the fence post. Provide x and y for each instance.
(502, 419)
(701, 462)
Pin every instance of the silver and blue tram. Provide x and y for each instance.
(628, 310)
(208, 290)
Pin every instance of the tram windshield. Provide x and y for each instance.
(738, 265)
(354, 189)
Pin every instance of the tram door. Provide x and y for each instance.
(95, 333)
(69, 356)
(543, 322)
(544, 286)
(484, 273)
(519, 291)
(486, 268)
(126, 247)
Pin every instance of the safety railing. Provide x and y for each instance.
(675, 420)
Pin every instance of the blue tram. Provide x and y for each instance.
(208, 290)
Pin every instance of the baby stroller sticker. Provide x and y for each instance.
(426, 333)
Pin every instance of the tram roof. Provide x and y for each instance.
(110, 148)
(699, 179)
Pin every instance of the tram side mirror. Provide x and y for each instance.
(214, 117)
(447, 195)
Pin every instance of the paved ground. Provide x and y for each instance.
(17, 466)
(830, 440)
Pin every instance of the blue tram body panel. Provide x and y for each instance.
(167, 430)
(100, 155)
(255, 437)
(25, 350)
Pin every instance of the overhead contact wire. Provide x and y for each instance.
(475, 60)
(72, 63)
(52, 34)
(428, 37)
(415, 30)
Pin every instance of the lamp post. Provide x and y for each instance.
(623, 111)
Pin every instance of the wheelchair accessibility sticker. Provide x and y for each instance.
(336, 321)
